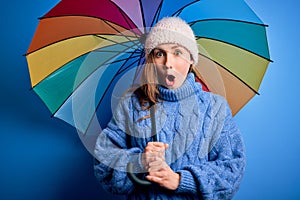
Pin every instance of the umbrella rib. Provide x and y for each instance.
(55, 43)
(143, 18)
(122, 43)
(236, 46)
(175, 13)
(98, 50)
(105, 93)
(121, 71)
(120, 51)
(26, 54)
(129, 38)
(82, 55)
(72, 15)
(157, 13)
(99, 18)
(256, 92)
(53, 115)
(183, 7)
(223, 19)
(101, 50)
(104, 63)
(124, 16)
(139, 69)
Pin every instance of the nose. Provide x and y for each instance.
(169, 60)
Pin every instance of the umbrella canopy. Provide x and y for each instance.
(86, 53)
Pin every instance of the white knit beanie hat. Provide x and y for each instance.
(172, 30)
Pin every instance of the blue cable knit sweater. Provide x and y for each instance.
(205, 145)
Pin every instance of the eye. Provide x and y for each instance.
(177, 52)
(158, 53)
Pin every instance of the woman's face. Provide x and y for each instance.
(172, 63)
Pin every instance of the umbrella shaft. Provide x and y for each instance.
(153, 123)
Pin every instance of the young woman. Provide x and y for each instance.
(199, 153)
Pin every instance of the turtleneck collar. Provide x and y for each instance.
(187, 89)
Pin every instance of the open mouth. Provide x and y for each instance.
(170, 79)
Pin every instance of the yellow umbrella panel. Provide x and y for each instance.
(54, 68)
(239, 72)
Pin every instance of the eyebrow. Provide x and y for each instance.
(173, 47)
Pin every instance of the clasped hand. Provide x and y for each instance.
(153, 160)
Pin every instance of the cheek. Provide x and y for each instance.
(183, 68)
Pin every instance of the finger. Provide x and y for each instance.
(151, 149)
(151, 159)
(160, 174)
(154, 179)
(160, 147)
(157, 166)
(154, 156)
(157, 144)
(158, 154)
(157, 162)
(166, 146)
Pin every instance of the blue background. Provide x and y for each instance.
(43, 158)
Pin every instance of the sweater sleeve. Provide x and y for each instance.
(112, 155)
(219, 177)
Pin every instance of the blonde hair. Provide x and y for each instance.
(148, 92)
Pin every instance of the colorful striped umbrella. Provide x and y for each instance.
(84, 54)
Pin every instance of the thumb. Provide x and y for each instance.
(166, 146)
